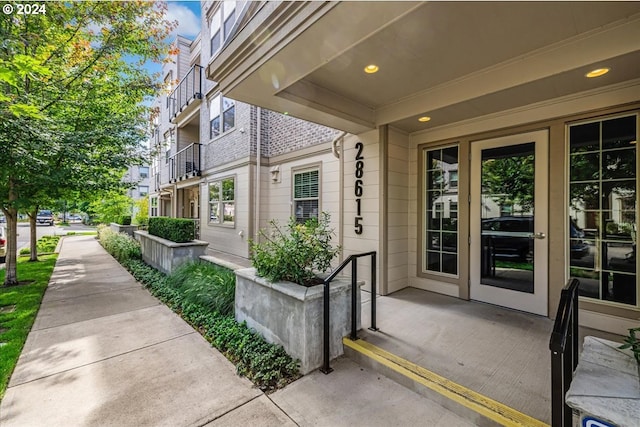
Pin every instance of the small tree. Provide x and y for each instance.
(112, 207)
(142, 213)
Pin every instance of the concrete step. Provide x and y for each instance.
(479, 409)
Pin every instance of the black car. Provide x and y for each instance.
(510, 237)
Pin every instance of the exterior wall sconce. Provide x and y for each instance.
(275, 174)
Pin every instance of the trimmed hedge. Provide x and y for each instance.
(179, 230)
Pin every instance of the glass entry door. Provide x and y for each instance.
(509, 221)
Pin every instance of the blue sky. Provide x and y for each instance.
(187, 13)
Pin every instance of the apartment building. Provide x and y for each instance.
(228, 165)
(492, 147)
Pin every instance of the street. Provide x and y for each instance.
(24, 232)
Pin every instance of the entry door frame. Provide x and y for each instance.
(538, 302)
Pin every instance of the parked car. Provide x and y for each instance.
(510, 237)
(74, 218)
(3, 244)
(45, 217)
(2, 218)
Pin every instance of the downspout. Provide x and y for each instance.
(337, 153)
(256, 229)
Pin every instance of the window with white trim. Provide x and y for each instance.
(144, 172)
(222, 115)
(222, 202)
(143, 190)
(306, 194)
(440, 233)
(603, 224)
(221, 24)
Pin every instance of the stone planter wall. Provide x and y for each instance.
(292, 315)
(606, 385)
(166, 255)
(119, 228)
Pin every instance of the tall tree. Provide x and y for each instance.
(71, 86)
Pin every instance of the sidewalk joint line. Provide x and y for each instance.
(101, 360)
(95, 293)
(230, 410)
(96, 318)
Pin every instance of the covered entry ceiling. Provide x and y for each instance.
(451, 61)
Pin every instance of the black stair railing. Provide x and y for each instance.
(564, 354)
(353, 259)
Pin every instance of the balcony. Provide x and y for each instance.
(185, 163)
(187, 96)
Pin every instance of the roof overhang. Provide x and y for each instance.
(452, 61)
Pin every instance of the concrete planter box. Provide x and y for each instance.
(292, 315)
(606, 384)
(166, 255)
(119, 228)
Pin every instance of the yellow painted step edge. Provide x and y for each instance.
(483, 405)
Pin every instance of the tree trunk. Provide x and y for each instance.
(11, 268)
(33, 239)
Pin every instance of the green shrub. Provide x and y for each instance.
(296, 255)
(267, 365)
(179, 230)
(44, 245)
(120, 245)
(206, 285)
(125, 220)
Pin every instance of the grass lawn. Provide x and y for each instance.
(26, 299)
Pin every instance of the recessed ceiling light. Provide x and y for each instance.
(286, 113)
(597, 72)
(424, 119)
(371, 68)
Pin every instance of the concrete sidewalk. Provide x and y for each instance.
(104, 352)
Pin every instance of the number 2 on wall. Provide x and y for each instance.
(359, 186)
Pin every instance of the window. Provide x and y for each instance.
(222, 202)
(143, 190)
(602, 208)
(225, 107)
(221, 24)
(441, 211)
(154, 206)
(306, 194)
(144, 172)
(453, 179)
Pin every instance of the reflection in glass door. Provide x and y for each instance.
(508, 264)
(507, 200)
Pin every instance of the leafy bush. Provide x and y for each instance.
(179, 230)
(632, 341)
(46, 244)
(125, 220)
(120, 245)
(206, 285)
(267, 365)
(296, 255)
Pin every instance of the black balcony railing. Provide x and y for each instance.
(185, 163)
(564, 354)
(189, 88)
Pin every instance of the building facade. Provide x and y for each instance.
(491, 151)
(230, 166)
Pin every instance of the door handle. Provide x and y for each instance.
(537, 235)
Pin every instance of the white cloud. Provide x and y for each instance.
(188, 22)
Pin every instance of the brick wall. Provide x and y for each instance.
(287, 134)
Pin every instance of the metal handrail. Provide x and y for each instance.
(189, 88)
(326, 369)
(186, 161)
(564, 353)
